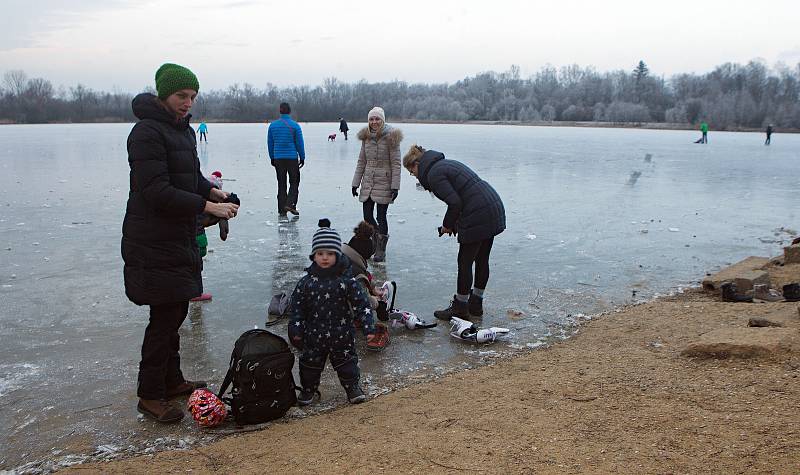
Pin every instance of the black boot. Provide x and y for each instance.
(380, 247)
(457, 308)
(731, 294)
(791, 292)
(475, 304)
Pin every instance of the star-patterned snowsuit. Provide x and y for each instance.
(321, 315)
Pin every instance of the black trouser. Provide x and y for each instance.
(345, 134)
(284, 167)
(160, 367)
(769, 139)
(478, 253)
(203, 136)
(344, 361)
(381, 225)
(705, 137)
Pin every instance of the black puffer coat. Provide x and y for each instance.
(474, 208)
(167, 192)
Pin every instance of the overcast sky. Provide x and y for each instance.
(107, 44)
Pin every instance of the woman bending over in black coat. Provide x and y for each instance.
(475, 214)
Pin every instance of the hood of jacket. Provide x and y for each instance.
(425, 163)
(393, 135)
(146, 106)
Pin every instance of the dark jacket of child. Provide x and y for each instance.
(321, 322)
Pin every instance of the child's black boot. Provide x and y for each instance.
(457, 308)
(306, 397)
(355, 395)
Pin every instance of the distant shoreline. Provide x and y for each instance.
(539, 123)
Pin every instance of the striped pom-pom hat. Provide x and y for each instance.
(326, 239)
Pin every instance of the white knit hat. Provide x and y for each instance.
(377, 112)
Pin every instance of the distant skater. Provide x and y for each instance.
(769, 135)
(704, 130)
(343, 128)
(202, 129)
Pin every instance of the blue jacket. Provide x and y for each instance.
(285, 140)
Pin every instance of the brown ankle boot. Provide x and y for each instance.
(159, 409)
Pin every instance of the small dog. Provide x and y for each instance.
(332, 138)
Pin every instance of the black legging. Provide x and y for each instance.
(477, 252)
(382, 225)
(160, 367)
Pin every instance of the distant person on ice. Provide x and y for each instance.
(162, 259)
(343, 128)
(475, 213)
(321, 319)
(202, 129)
(287, 154)
(704, 131)
(769, 135)
(378, 174)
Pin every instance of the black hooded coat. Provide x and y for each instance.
(167, 192)
(474, 208)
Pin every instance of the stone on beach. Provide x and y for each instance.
(745, 343)
(743, 270)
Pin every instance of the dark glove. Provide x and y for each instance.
(232, 198)
(302, 163)
(394, 194)
(355, 191)
(224, 229)
(273, 162)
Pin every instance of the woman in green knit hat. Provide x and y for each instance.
(162, 260)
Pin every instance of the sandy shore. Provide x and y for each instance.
(618, 397)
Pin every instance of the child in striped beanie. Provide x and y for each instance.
(323, 305)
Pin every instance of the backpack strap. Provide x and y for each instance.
(228, 379)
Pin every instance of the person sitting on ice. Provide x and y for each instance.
(358, 250)
(205, 220)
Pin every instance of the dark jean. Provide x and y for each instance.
(290, 168)
(477, 253)
(160, 367)
(381, 225)
(312, 362)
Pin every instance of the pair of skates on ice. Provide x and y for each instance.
(459, 328)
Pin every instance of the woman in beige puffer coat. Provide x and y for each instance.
(378, 174)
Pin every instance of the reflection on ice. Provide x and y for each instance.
(591, 225)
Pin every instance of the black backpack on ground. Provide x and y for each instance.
(261, 373)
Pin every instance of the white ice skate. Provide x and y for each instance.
(388, 289)
(467, 331)
(401, 318)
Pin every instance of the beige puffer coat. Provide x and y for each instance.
(378, 169)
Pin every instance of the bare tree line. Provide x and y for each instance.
(731, 96)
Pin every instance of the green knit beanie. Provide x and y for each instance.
(172, 77)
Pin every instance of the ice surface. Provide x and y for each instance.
(62, 302)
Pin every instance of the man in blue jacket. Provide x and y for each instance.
(285, 146)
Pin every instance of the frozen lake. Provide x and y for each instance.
(590, 221)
